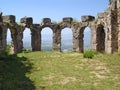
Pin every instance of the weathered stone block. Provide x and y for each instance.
(113, 5)
(0, 16)
(67, 20)
(27, 20)
(87, 18)
(101, 15)
(46, 21)
(9, 18)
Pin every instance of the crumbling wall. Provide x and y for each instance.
(105, 31)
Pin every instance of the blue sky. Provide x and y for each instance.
(54, 9)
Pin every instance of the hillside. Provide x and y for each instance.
(60, 71)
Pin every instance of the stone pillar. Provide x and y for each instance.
(17, 36)
(56, 38)
(3, 36)
(119, 38)
(35, 38)
(115, 31)
(108, 27)
(20, 42)
(108, 48)
(93, 38)
(118, 29)
(15, 40)
(78, 42)
(40, 39)
(20, 30)
(112, 33)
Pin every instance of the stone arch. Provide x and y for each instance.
(27, 43)
(66, 39)
(8, 37)
(87, 39)
(9, 42)
(46, 40)
(100, 38)
(82, 42)
(12, 35)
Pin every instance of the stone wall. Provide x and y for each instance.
(105, 31)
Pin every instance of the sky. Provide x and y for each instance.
(54, 9)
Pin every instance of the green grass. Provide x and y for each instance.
(60, 71)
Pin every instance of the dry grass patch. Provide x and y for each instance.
(61, 71)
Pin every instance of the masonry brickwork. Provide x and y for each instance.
(105, 31)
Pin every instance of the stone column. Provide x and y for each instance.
(119, 38)
(56, 38)
(93, 39)
(112, 33)
(77, 41)
(17, 36)
(20, 42)
(40, 39)
(81, 42)
(35, 38)
(3, 36)
(118, 14)
(14, 41)
(76, 36)
(20, 30)
(108, 47)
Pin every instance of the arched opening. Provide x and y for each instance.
(8, 41)
(101, 40)
(46, 39)
(27, 39)
(87, 39)
(66, 40)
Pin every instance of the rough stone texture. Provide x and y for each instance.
(67, 20)
(101, 15)
(105, 31)
(9, 19)
(27, 20)
(1, 17)
(46, 21)
(87, 18)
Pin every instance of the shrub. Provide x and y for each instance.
(8, 49)
(25, 50)
(89, 54)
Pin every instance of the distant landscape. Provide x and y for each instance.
(66, 41)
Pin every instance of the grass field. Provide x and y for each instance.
(60, 71)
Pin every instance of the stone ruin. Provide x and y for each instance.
(105, 31)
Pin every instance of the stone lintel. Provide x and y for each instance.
(36, 24)
(67, 20)
(9, 19)
(46, 21)
(27, 20)
(87, 18)
(101, 15)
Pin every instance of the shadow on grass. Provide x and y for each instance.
(13, 73)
